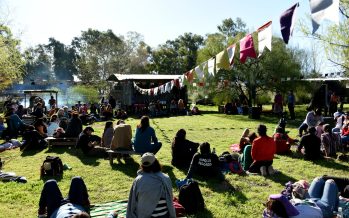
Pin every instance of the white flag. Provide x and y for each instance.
(199, 72)
(324, 9)
(211, 64)
(264, 37)
(231, 52)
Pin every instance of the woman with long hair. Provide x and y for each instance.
(145, 139)
(107, 134)
(183, 150)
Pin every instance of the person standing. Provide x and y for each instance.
(278, 105)
(291, 100)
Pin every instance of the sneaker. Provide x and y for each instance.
(271, 170)
(263, 170)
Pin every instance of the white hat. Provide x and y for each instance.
(148, 159)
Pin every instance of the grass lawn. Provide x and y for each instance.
(106, 183)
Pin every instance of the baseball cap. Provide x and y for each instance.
(148, 159)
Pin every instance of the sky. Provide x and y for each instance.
(34, 21)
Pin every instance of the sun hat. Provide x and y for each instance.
(290, 209)
(148, 159)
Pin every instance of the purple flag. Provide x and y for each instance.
(287, 22)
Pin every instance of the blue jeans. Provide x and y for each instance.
(325, 194)
(51, 197)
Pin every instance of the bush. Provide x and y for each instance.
(82, 93)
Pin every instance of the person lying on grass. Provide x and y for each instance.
(53, 205)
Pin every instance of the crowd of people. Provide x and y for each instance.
(256, 151)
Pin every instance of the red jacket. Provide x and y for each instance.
(282, 142)
(263, 149)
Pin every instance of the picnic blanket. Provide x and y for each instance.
(103, 209)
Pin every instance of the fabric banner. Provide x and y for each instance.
(190, 76)
(222, 60)
(211, 65)
(324, 9)
(246, 48)
(168, 87)
(287, 20)
(199, 72)
(231, 52)
(264, 37)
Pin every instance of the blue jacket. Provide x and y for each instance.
(143, 140)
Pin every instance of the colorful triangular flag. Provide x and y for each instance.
(246, 48)
(222, 60)
(323, 9)
(199, 72)
(264, 37)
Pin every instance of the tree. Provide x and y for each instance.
(64, 59)
(38, 64)
(11, 61)
(100, 54)
(176, 56)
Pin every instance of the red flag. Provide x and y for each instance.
(190, 76)
(246, 48)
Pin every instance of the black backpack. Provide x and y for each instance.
(52, 166)
(190, 197)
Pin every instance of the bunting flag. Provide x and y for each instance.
(168, 87)
(211, 65)
(246, 48)
(199, 72)
(324, 9)
(264, 37)
(222, 60)
(287, 20)
(190, 76)
(231, 52)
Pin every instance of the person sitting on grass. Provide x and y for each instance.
(183, 150)
(151, 191)
(107, 134)
(282, 141)
(53, 125)
(145, 139)
(41, 127)
(122, 137)
(246, 157)
(14, 124)
(52, 204)
(331, 142)
(74, 127)
(205, 164)
(88, 143)
(312, 119)
(263, 150)
(310, 145)
(32, 140)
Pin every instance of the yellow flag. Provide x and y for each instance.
(222, 60)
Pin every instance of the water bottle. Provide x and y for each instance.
(340, 212)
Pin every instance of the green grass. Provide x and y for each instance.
(106, 183)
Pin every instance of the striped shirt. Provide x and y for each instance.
(161, 208)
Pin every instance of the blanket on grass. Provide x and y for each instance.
(103, 209)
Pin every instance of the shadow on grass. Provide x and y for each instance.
(203, 214)
(86, 160)
(31, 152)
(280, 178)
(128, 166)
(324, 162)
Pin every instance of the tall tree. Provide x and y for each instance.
(100, 54)
(11, 61)
(176, 56)
(64, 59)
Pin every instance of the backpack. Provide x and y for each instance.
(235, 167)
(190, 197)
(52, 166)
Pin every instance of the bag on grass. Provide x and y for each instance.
(190, 197)
(180, 210)
(52, 166)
